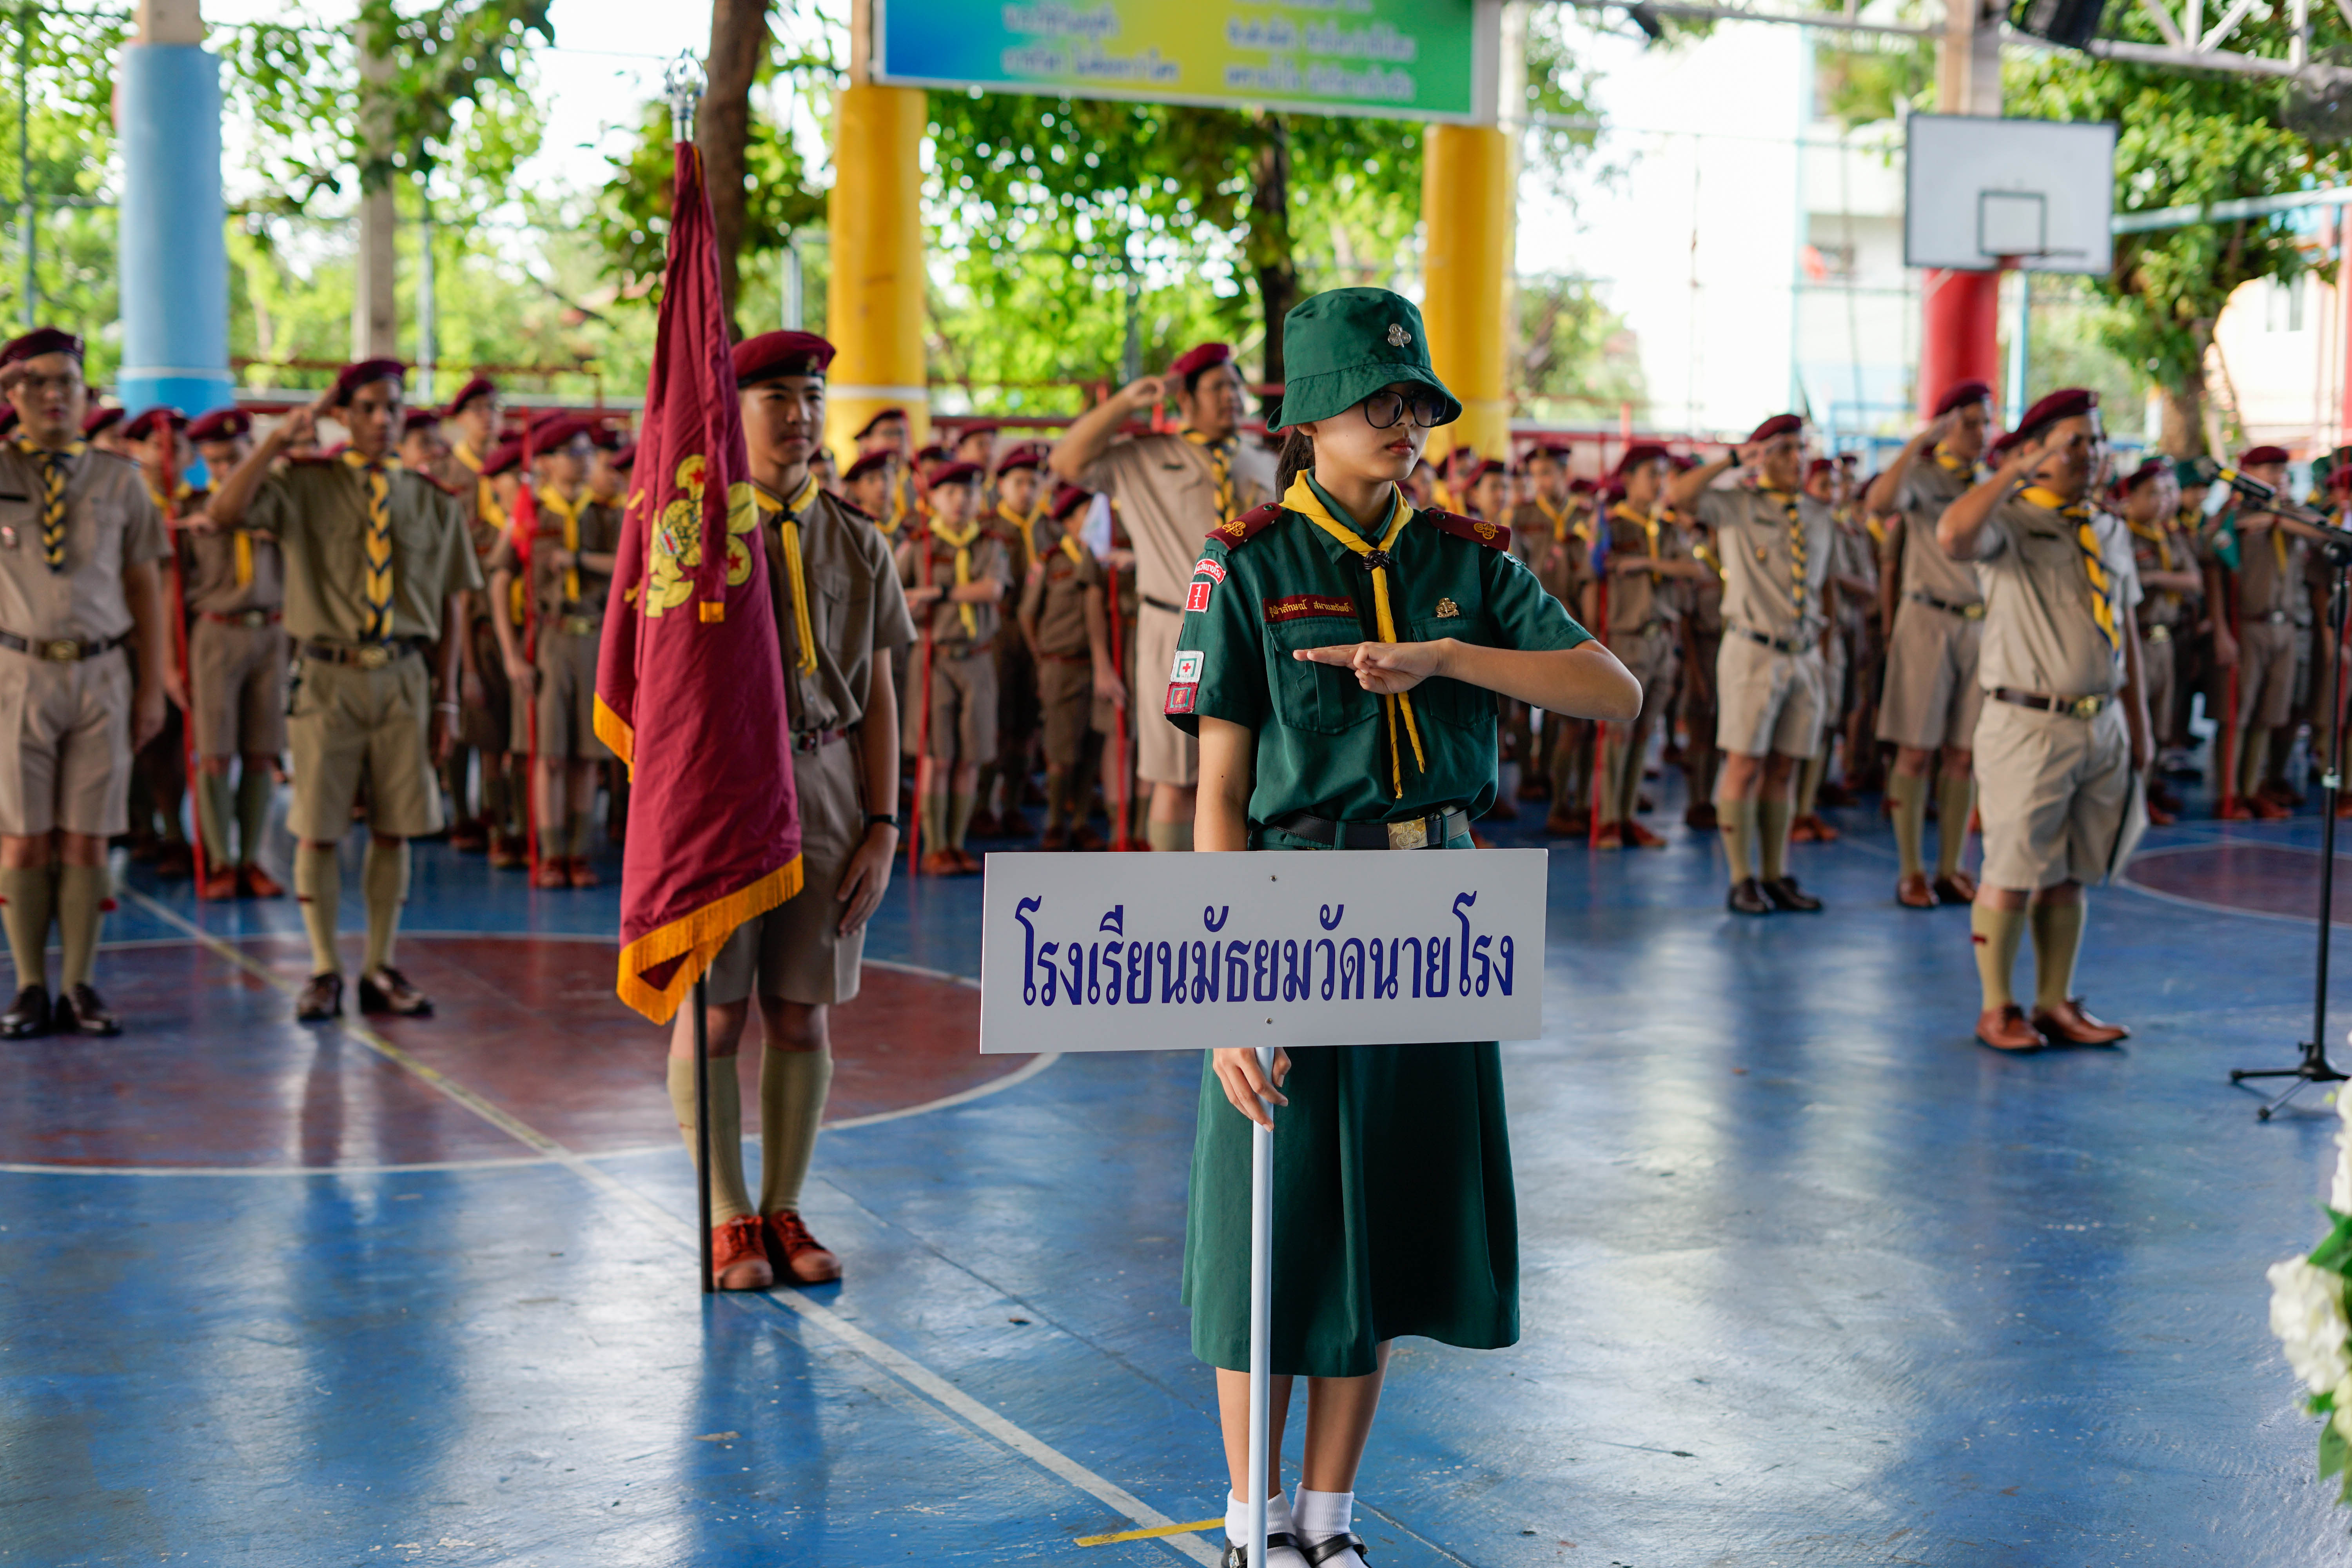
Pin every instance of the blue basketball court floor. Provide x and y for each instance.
(1809, 1276)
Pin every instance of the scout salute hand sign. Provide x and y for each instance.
(1339, 666)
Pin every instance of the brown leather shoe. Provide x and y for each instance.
(1084, 838)
(1611, 835)
(320, 1000)
(1959, 887)
(1640, 837)
(1057, 837)
(798, 1255)
(1785, 895)
(78, 1011)
(508, 852)
(738, 1255)
(220, 882)
(1804, 830)
(1822, 832)
(388, 991)
(2261, 809)
(257, 883)
(554, 871)
(2070, 1025)
(1702, 816)
(942, 863)
(970, 861)
(1568, 824)
(1912, 891)
(1747, 897)
(2005, 1029)
(579, 873)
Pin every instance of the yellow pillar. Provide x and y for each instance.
(1465, 211)
(874, 298)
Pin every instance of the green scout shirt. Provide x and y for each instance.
(317, 512)
(1322, 744)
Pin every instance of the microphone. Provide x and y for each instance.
(2251, 489)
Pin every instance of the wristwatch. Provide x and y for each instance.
(890, 817)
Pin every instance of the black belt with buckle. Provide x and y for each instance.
(2159, 633)
(366, 655)
(1430, 832)
(249, 619)
(1974, 612)
(2276, 617)
(61, 650)
(1161, 605)
(813, 739)
(2074, 706)
(1777, 645)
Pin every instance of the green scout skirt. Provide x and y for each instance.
(1393, 1209)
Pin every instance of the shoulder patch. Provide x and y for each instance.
(1493, 535)
(1246, 526)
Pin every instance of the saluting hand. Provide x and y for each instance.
(1384, 668)
(1144, 392)
(1243, 1081)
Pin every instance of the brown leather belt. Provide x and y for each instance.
(1430, 832)
(805, 740)
(1067, 657)
(243, 617)
(61, 650)
(1777, 645)
(1974, 612)
(366, 655)
(2074, 706)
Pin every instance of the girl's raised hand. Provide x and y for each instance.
(1382, 668)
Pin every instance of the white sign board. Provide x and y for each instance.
(1164, 952)
(2040, 194)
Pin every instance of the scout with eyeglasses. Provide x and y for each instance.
(1339, 666)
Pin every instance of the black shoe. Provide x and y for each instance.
(321, 1000)
(78, 1011)
(1237, 1555)
(388, 991)
(28, 1016)
(1331, 1546)
(1747, 897)
(1785, 895)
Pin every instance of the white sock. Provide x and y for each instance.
(1277, 1523)
(1322, 1515)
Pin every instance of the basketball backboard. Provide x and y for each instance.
(2040, 193)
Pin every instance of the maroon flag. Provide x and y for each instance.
(690, 684)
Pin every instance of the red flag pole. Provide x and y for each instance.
(524, 534)
(1600, 727)
(2227, 745)
(179, 612)
(923, 768)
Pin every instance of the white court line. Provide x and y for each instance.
(950, 1399)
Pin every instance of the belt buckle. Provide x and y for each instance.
(254, 618)
(2086, 707)
(1972, 612)
(2159, 633)
(61, 650)
(372, 655)
(578, 626)
(804, 740)
(1413, 835)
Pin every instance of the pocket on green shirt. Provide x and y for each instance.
(1455, 702)
(1321, 699)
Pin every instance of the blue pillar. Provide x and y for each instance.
(174, 263)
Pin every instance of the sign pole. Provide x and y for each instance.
(1261, 1314)
(702, 1121)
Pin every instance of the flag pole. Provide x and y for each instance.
(702, 1123)
(1261, 1311)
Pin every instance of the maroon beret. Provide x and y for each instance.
(417, 419)
(780, 353)
(480, 386)
(1491, 467)
(1960, 394)
(2002, 445)
(145, 424)
(2255, 457)
(504, 457)
(1779, 425)
(1819, 466)
(2066, 402)
(360, 372)
(1068, 499)
(977, 427)
(38, 341)
(867, 428)
(1639, 453)
(625, 456)
(1027, 456)
(2149, 469)
(934, 453)
(959, 474)
(1581, 486)
(1207, 356)
(551, 430)
(867, 465)
(98, 419)
(221, 425)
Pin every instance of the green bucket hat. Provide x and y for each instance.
(1341, 346)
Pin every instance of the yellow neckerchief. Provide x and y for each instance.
(1952, 463)
(54, 473)
(1623, 512)
(2086, 539)
(2160, 536)
(1559, 519)
(1074, 549)
(1026, 526)
(1220, 453)
(1787, 499)
(789, 530)
(1876, 529)
(962, 544)
(376, 583)
(568, 511)
(486, 499)
(1378, 562)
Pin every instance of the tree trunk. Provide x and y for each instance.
(2182, 430)
(739, 42)
(1268, 247)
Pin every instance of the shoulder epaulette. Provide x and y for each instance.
(1246, 526)
(1477, 530)
(851, 507)
(435, 483)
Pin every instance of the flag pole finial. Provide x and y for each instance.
(683, 82)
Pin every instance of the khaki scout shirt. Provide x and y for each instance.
(111, 523)
(1638, 597)
(947, 625)
(210, 561)
(1167, 496)
(2273, 574)
(596, 529)
(1057, 595)
(2163, 548)
(318, 510)
(1928, 490)
(1701, 598)
(1754, 549)
(2041, 631)
(855, 609)
(1025, 539)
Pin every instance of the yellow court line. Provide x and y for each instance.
(1194, 1527)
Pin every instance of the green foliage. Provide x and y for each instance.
(446, 61)
(1865, 78)
(1577, 360)
(69, 129)
(631, 223)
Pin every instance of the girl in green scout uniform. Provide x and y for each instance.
(1340, 658)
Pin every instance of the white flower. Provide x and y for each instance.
(2340, 1192)
(2307, 1316)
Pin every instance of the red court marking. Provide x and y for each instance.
(213, 1071)
(2260, 878)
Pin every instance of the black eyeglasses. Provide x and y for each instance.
(1383, 409)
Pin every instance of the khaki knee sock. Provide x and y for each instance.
(551, 842)
(213, 807)
(2254, 760)
(255, 788)
(1173, 837)
(1809, 780)
(1908, 794)
(935, 822)
(728, 1197)
(1737, 820)
(1955, 799)
(1996, 933)
(319, 889)
(575, 839)
(81, 893)
(1772, 837)
(793, 1086)
(960, 816)
(2057, 938)
(1609, 807)
(384, 880)
(1058, 795)
(26, 895)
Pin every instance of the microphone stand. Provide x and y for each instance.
(2336, 544)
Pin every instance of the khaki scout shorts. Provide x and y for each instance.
(487, 725)
(1931, 699)
(2156, 678)
(1066, 691)
(65, 744)
(1163, 754)
(239, 699)
(1767, 700)
(963, 706)
(350, 725)
(2266, 674)
(796, 951)
(565, 702)
(2053, 790)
